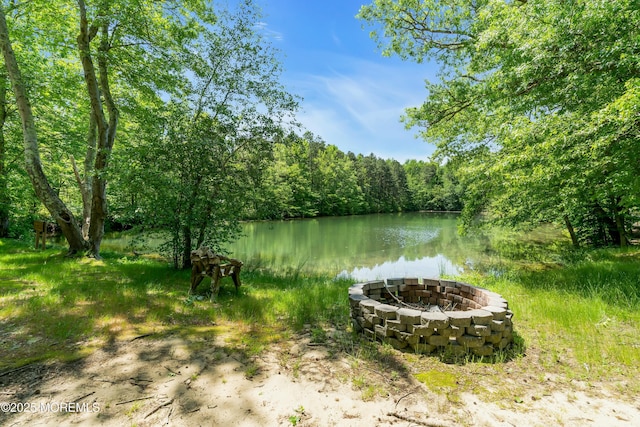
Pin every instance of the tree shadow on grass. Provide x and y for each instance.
(59, 307)
(69, 308)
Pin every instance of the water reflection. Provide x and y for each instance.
(426, 267)
(363, 247)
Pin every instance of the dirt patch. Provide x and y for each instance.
(178, 382)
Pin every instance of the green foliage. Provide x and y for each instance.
(191, 175)
(201, 127)
(132, 50)
(337, 183)
(537, 101)
(433, 187)
(307, 178)
(286, 185)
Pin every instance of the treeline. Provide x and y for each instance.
(306, 177)
(296, 177)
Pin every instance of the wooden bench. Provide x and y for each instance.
(206, 263)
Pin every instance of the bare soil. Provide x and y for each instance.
(177, 382)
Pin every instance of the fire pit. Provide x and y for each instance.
(430, 314)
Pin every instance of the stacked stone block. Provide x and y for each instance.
(480, 323)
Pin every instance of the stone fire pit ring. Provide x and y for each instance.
(425, 315)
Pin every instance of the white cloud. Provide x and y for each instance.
(268, 33)
(358, 107)
(336, 39)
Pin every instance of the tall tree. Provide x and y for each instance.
(528, 96)
(288, 181)
(59, 211)
(195, 174)
(4, 181)
(422, 179)
(127, 50)
(339, 193)
(400, 186)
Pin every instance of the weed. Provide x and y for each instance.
(251, 370)
(294, 420)
(133, 409)
(295, 368)
(318, 336)
(437, 379)
(369, 393)
(359, 382)
(454, 397)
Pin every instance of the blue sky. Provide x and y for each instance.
(353, 96)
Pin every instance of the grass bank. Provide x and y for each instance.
(577, 314)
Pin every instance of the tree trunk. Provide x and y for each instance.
(608, 226)
(572, 232)
(186, 247)
(622, 232)
(186, 229)
(58, 210)
(4, 190)
(202, 232)
(84, 181)
(98, 89)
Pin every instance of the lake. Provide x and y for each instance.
(368, 247)
(365, 247)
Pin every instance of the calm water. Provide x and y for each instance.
(363, 247)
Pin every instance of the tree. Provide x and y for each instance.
(63, 216)
(434, 187)
(288, 181)
(338, 193)
(127, 50)
(17, 200)
(528, 96)
(400, 186)
(4, 181)
(196, 173)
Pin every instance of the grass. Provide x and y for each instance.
(52, 307)
(577, 317)
(584, 313)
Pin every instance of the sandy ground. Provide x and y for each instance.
(151, 382)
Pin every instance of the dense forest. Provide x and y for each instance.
(171, 115)
(307, 178)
